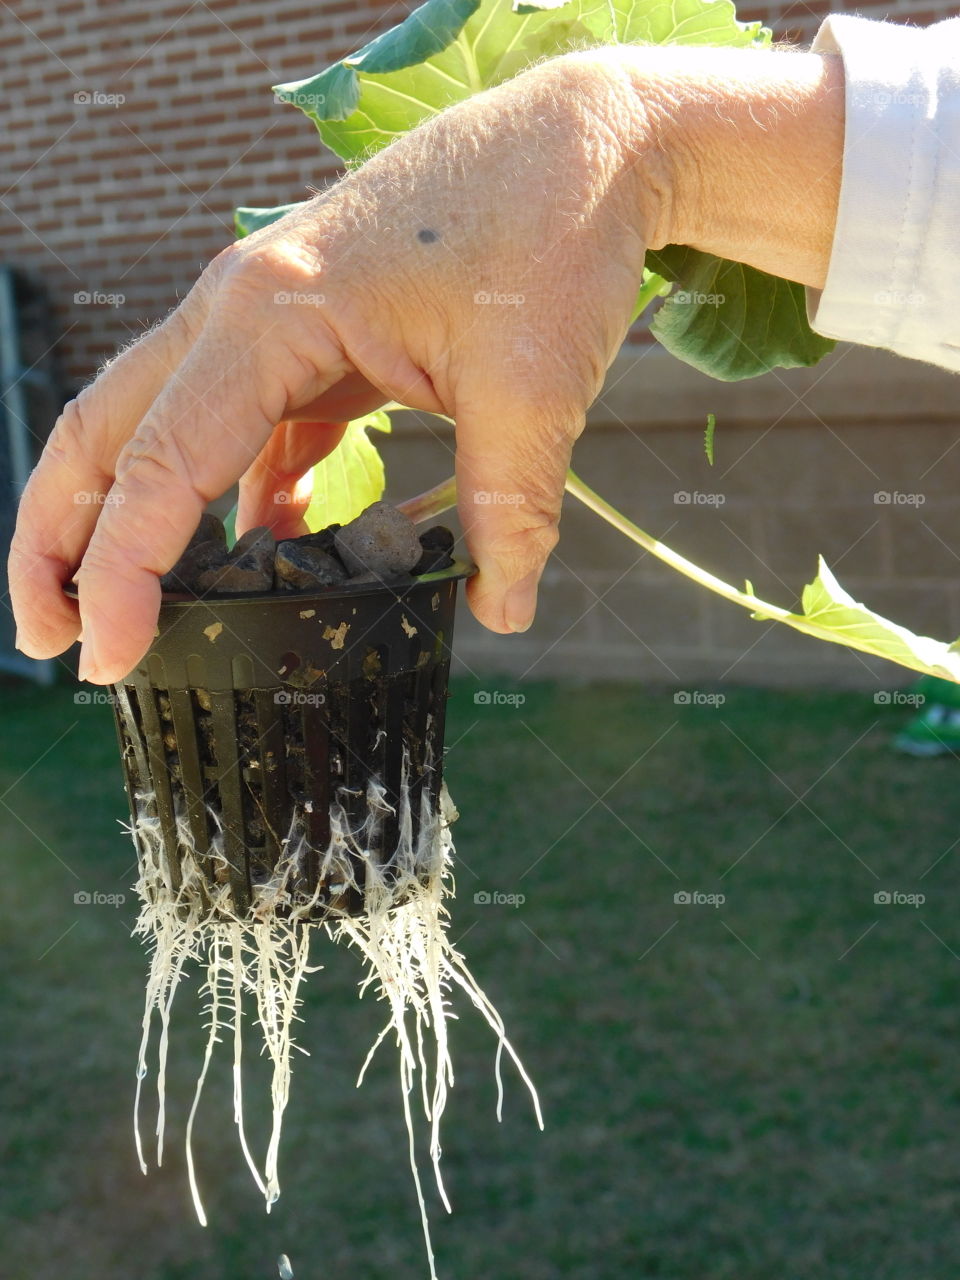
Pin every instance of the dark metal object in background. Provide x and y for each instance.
(30, 399)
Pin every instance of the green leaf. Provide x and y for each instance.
(350, 478)
(246, 221)
(674, 22)
(230, 525)
(729, 320)
(364, 101)
(708, 437)
(830, 613)
(447, 50)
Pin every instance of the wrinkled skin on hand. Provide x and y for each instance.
(483, 267)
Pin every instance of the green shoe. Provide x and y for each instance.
(935, 731)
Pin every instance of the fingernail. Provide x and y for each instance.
(87, 664)
(16, 641)
(520, 604)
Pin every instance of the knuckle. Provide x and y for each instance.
(106, 559)
(155, 461)
(526, 538)
(264, 266)
(187, 319)
(69, 440)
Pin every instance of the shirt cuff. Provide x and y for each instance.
(894, 274)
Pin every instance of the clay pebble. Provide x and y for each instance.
(381, 540)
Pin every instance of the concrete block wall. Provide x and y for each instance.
(857, 460)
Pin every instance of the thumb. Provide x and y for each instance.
(513, 450)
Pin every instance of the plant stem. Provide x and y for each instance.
(576, 487)
(653, 286)
(432, 503)
(838, 619)
(443, 496)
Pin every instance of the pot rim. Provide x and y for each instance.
(458, 570)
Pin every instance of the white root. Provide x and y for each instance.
(401, 934)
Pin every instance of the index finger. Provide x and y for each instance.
(203, 431)
(64, 495)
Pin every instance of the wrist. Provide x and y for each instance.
(621, 120)
(739, 150)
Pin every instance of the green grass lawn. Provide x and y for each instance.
(761, 1090)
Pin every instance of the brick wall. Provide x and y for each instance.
(130, 133)
(108, 199)
(797, 20)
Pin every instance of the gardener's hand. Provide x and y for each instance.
(484, 267)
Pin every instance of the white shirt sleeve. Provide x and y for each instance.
(894, 274)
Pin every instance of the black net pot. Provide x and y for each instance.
(250, 711)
